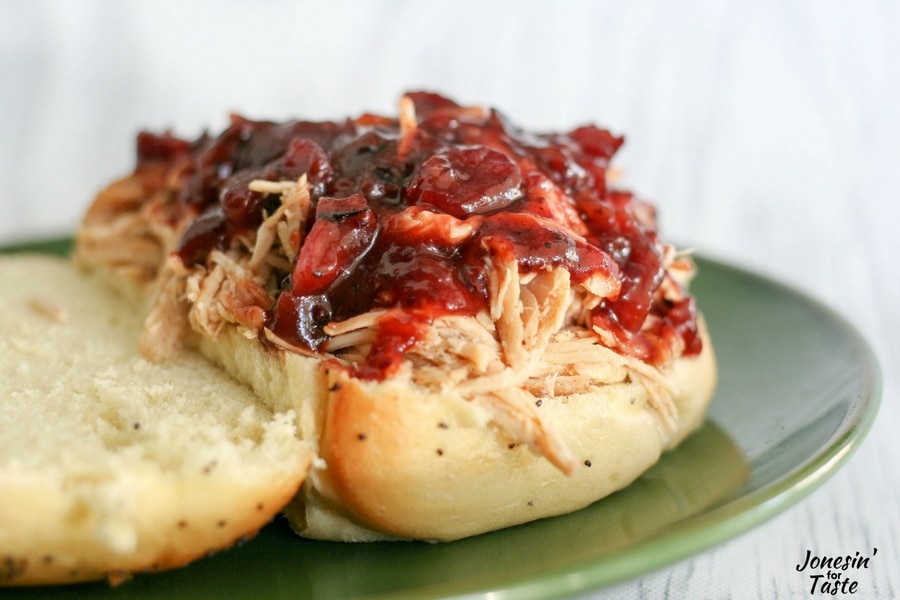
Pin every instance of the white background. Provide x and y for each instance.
(767, 134)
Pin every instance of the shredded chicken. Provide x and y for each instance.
(129, 231)
(48, 308)
(408, 124)
(505, 309)
(167, 321)
(227, 293)
(278, 239)
(363, 321)
(431, 225)
(515, 410)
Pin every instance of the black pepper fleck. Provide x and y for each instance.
(539, 402)
(11, 567)
(440, 452)
(136, 426)
(444, 425)
(587, 463)
(182, 524)
(335, 386)
(222, 523)
(361, 436)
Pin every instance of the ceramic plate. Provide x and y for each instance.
(798, 391)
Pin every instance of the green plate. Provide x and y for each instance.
(799, 389)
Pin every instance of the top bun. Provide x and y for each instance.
(110, 464)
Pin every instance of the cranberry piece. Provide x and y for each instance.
(643, 275)
(209, 230)
(428, 103)
(306, 156)
(156, 148)
(302, 318)
(398, 332)
(415, 277)
(597, 143)
(342, 234)
(466, 181)
(242, 206)
(558, 164)
(339, 209)
(538, 244)
(683, 317)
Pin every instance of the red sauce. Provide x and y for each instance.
(541, 199)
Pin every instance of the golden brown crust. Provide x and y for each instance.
(174, 526)
(431, 468)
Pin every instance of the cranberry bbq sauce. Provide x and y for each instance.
(407, 213)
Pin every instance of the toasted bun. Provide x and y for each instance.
(398, 461)
(110, 464)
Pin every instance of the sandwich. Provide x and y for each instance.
(467, 325)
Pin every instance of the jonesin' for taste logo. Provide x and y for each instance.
(833, 575)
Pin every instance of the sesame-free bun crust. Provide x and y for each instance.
(109, 464)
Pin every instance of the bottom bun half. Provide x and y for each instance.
(395, 461)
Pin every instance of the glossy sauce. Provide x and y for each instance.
(540, 199)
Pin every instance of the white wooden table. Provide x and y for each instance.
(767, 135)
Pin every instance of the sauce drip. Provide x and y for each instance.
(485, 187)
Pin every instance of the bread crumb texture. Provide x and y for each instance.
(111, 464)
